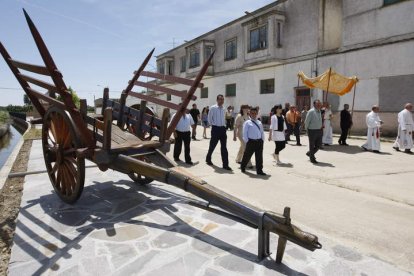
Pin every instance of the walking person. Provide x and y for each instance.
(293, 124)
(284, 111)
(302, 118)
(404, 139)
(229, 116)
(218, 132)
(204, 121)
(346, 124)
(195, 113)
(182, 135)
(313, 126)
(253, 135)
(327, 138)
(374, 123)
(277, 132)
(242, 117)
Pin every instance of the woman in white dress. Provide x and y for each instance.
(277, 132)
(327, 138)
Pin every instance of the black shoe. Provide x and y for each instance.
(238, 162)
(396, 148)
(261, 173)
(345, 144)
(298, 144)
(340, 142)
(243, 170)
(364, 148)
(376, 151)
(208, 162)
(308, 153)
(227, 168)
(189, 162)
(195, 139)
(177, 159)
(326, 145)
(408, 151)
(313, 160)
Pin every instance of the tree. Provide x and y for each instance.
(75, 97)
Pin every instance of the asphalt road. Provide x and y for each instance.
(358, 199)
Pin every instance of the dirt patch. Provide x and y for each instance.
(10, 198)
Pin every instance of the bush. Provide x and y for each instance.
(4, 117)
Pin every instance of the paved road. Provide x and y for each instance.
(358, 199)
(359, 204)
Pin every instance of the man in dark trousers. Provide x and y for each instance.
(216, 119)
(313, 125)
(253, 136)
(195, 113)
(182, 135)
(346, 124)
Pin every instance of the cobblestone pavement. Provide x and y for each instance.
(119, 228)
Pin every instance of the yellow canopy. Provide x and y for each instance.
(338, 84)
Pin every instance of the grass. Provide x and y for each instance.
(33, 134)
(4, 117)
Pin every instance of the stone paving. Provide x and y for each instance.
(120, 228)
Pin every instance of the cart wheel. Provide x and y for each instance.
(139, 178)
(66, 170)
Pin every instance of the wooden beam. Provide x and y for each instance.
(31, 67)
(38, 82)
(181, 94)
(170, 78)
(106, 145)
(138, 72)
(154, 100)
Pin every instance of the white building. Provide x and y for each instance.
(257, 56)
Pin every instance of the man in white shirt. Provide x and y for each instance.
(373, 133)
(183, 134)
(253, 135)
(404, 139)
(216, 119)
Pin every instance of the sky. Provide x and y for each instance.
(99, 43)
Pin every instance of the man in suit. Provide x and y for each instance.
(346, 124)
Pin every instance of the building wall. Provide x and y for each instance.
(361, 38)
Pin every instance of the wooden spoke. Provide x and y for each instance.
(60, 142)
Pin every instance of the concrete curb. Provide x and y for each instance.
(5, 170)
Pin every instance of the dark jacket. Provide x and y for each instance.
(346, 119)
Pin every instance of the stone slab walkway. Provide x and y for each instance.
(119, 228)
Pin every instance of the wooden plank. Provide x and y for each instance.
(155, 100)
(164, 124)
(48, 99)
(138, 72)
(106, 145)
(40, 83)
(122, 101)
(140, 119)
(170, 78)
(105, 99)
(31, 67)
(181, 94)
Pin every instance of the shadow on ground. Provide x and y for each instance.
(102, 206)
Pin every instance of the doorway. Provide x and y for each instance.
(303, 97)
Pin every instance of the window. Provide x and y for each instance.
(231, 49)
(170, 67)
(161, 68)
(204, 93)
(390, 2)
(208, 50)
(194, 59)
(258, 39)
(279, 34)
(231, 90)
(168, 97)
(267, 86)
(183, 64)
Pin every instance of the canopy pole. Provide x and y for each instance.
(327, 88)
(352, 110)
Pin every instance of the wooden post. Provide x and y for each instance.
(122, 102)
(83, 108)
(327, 88)
(105, 98)
(142, 109)
(164, 125)
(106, 145)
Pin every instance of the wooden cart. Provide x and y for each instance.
(132, 142)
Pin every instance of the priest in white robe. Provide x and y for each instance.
(373, 134)
(404, 139)
(327, 138)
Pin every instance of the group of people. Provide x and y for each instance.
(248, 129)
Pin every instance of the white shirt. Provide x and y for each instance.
(216, 116)
(251, 131)
(185, 123)
(373, 120)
